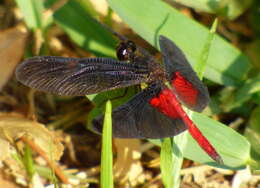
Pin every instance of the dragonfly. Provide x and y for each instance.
(154, 113)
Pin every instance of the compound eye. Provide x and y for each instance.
(121, 51)
(125, 50)
(131, 45)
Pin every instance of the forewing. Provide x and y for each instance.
(79, 76)
(138, 119)
(185, 82)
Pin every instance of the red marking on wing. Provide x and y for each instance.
(167, 103)
(184, 89)
(162, 104)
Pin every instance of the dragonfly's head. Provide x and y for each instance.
(125, 50)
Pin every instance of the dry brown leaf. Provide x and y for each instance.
(128, 165)
(14, 126)
(6, 181)
(11, 50)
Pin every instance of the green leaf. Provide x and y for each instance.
(247, 90)
(226, 64)
(233, 98)
(32, 11)
(106, 153)
(84, 30)
(252, 133)
(232, 147)
(229, 8)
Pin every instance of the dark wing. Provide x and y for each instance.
(138, 119)
(187, 86)
(79, 76)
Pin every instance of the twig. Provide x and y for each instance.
(52, 165)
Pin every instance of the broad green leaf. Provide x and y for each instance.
(32, 11)
(84, 30)
(232, 147)
(228, 8)
(106, 153)
(226, 64)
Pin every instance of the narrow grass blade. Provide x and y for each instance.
(106, 153)
(166, 162)
(28, 161)
(84, 30)
(32, 11)
(200, 65)
(180, 142)
(171, 159)
(252, 133)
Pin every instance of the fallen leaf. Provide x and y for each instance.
(11, 51)
(14, 126)
(7, 181)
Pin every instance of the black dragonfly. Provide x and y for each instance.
(155, 112)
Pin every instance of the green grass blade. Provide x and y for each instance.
(179, 144)
(171, 159)
(166, 162)
(236, 97)
(84, 30)
(226, 64)
(252, 133)
(244, 93)
(28, 161)
(106, 153)
(32, 11)
(200, 66)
